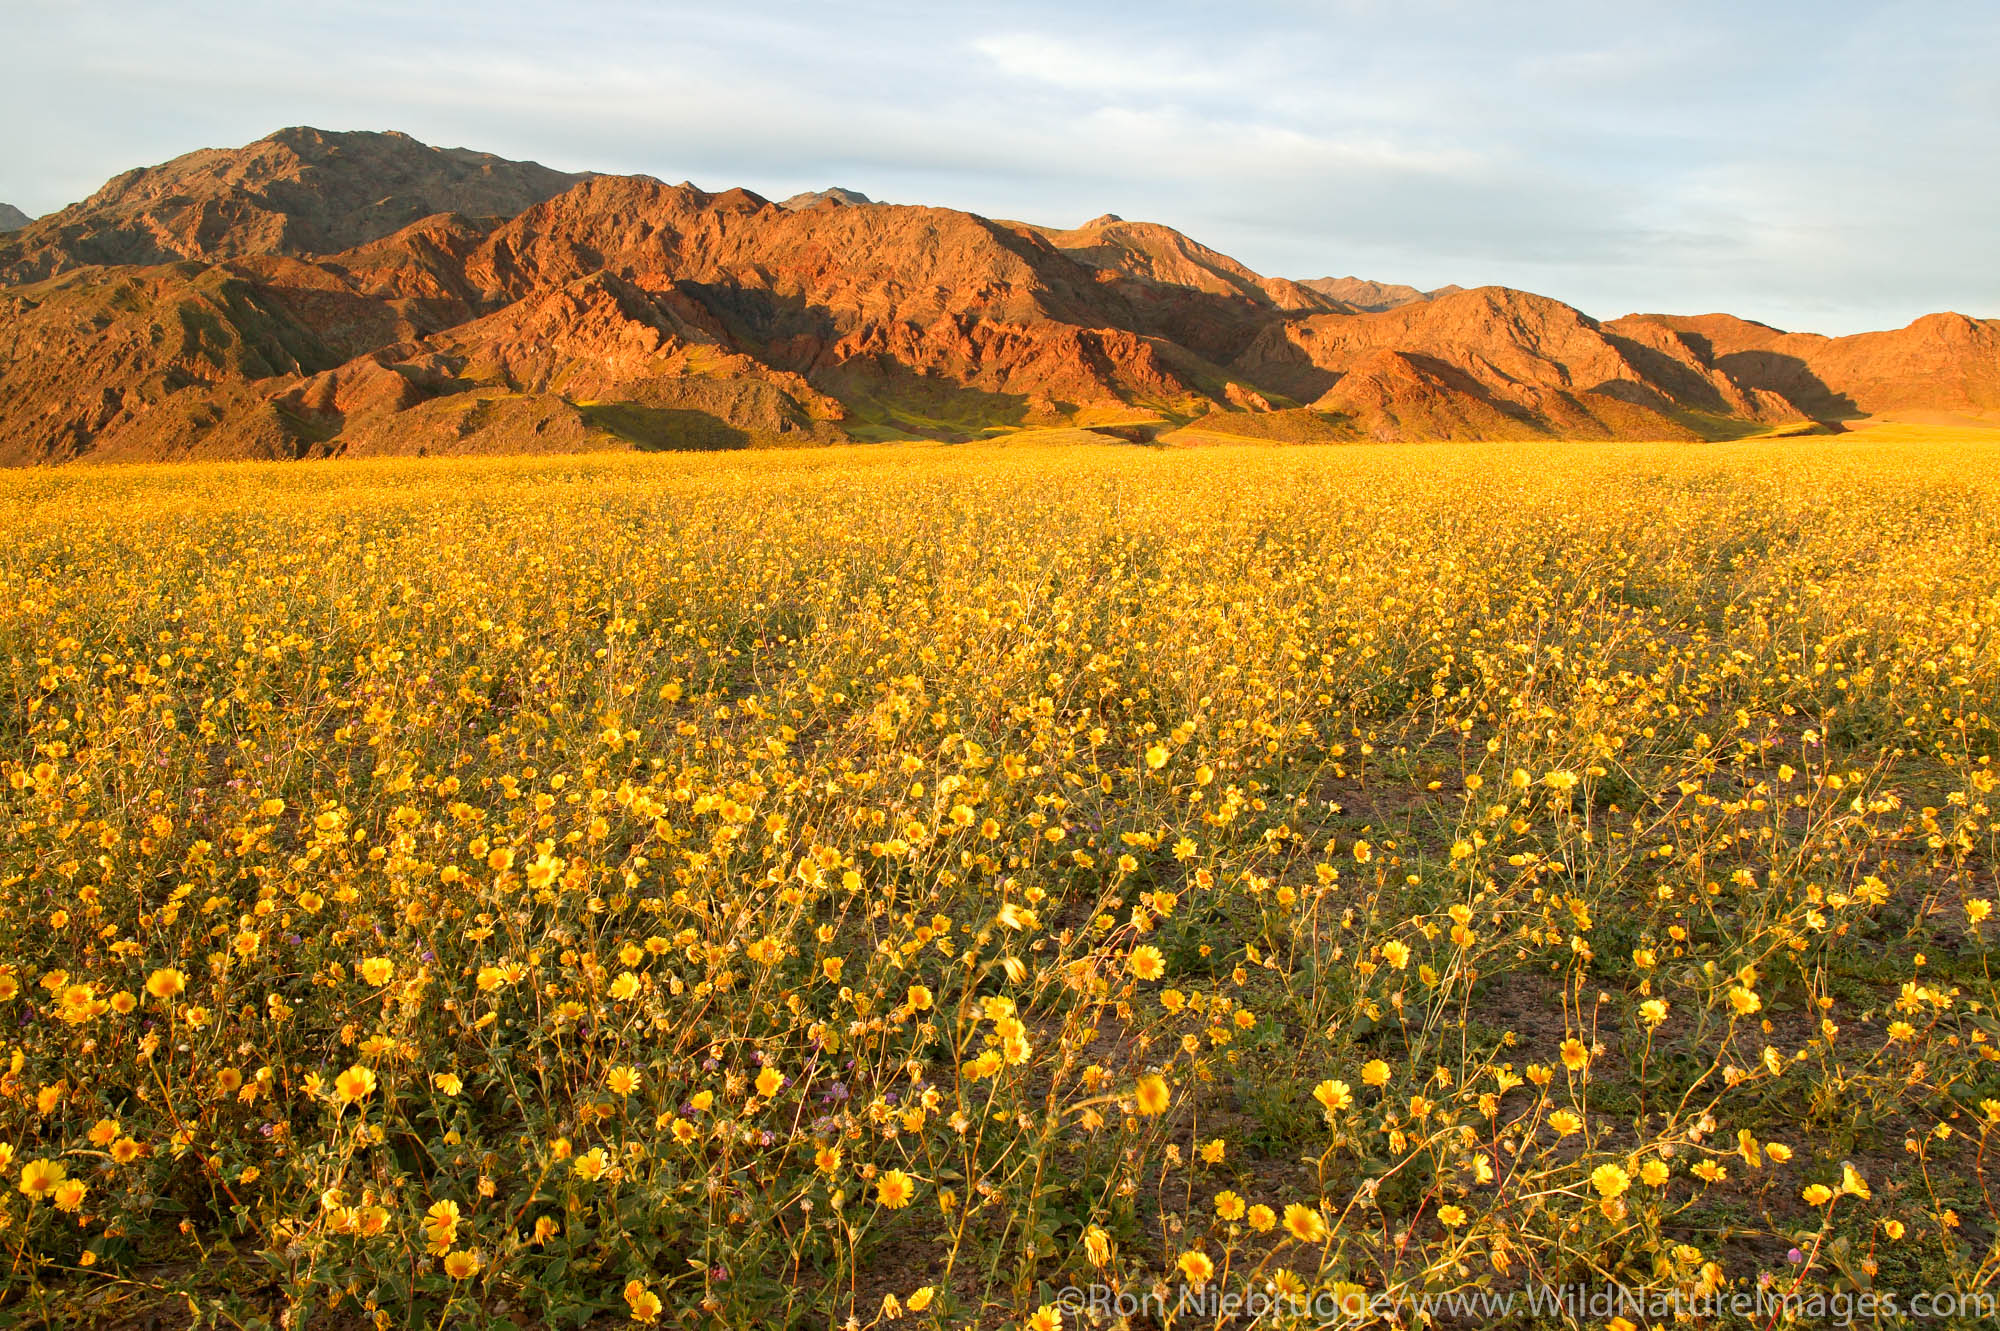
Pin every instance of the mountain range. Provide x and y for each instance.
(316, 294)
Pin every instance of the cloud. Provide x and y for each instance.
(1039, 57)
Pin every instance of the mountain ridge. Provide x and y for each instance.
(298, 190)
(835, 195)
(315, 294)
(1373, 297)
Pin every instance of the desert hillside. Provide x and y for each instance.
(315, 294)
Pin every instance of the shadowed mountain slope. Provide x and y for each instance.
(1940, 364)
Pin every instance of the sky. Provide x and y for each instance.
(1831, 166)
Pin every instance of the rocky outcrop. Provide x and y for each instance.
(162, 362)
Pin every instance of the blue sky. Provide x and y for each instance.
(1831, 166)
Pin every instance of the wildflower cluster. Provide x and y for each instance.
(884, 886)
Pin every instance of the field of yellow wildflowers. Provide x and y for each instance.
(890, 886)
